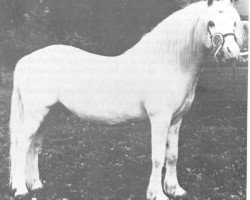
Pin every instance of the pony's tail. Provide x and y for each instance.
(16, 120)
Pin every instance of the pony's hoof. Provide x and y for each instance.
(37, 185)
(153, 195)
(21, 191)
(176, 192)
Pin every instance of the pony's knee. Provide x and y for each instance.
(171, 159)
(157, 164)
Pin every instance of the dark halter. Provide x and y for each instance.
(218, 40)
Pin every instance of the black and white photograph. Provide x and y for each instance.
(123, 99)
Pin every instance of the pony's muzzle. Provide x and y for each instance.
(230, 48)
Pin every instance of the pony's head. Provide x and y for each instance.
(182, 36)
(224, 33)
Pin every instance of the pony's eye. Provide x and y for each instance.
(211, 23)
(235, 24)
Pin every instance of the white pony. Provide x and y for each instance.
(155, 79)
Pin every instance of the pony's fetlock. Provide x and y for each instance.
(21, 190)
(36, 185)
(155, 192)
(175, 191)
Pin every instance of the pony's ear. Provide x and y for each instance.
(229, 1)
(210, 2)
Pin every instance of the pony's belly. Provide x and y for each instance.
(110, 111)
(109, 116)
(112, 118)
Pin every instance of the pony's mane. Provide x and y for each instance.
(178, 37)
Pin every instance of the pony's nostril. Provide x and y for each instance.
(228, 50)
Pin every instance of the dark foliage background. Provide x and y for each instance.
(103, 27)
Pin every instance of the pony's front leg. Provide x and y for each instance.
(159, 130)
(171, 184)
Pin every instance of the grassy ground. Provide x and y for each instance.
(89, 161)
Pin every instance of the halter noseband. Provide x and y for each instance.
(218, 40)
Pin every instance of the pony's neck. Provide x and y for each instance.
(177, 40)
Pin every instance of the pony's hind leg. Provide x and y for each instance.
(23, 143)
(32, 171)
(171, 184)
(26, 158)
